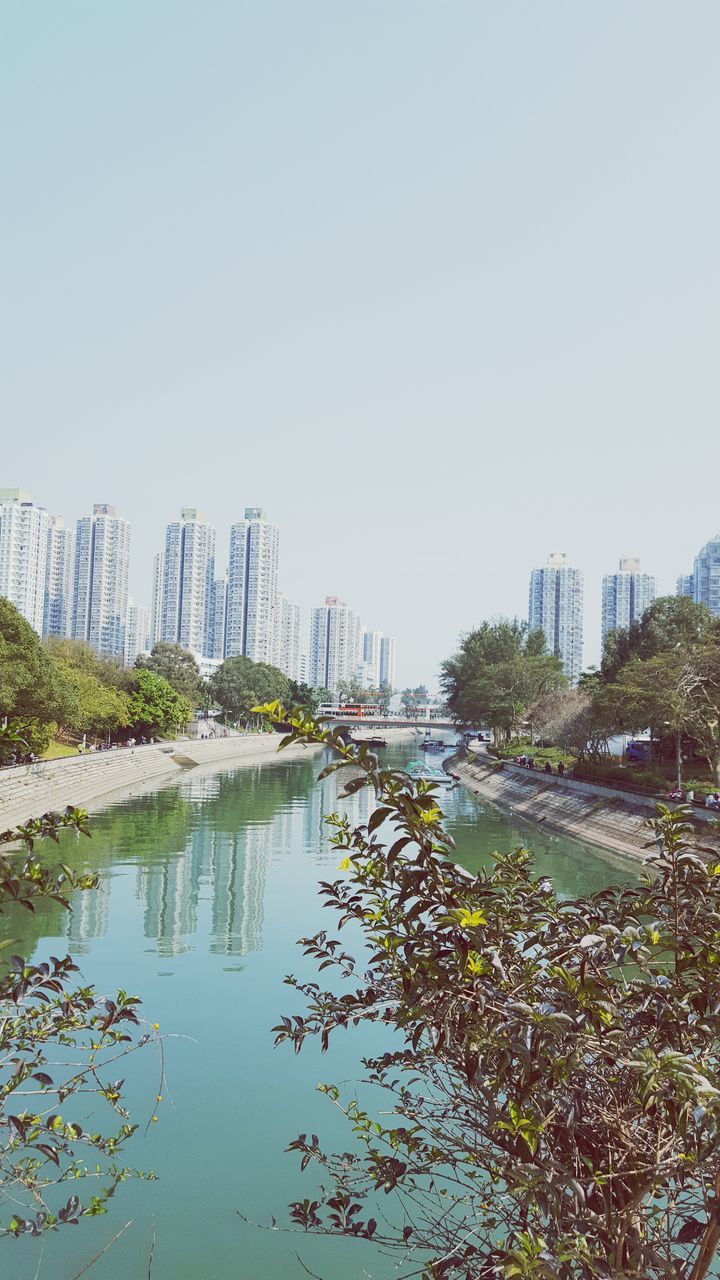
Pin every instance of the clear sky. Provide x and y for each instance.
(437, 284)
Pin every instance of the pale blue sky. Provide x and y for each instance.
(436, 284)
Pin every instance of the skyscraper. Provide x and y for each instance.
(252, 587)
(56, 618)
(100, 581)
(216, 637)
(685, 585)
(188, 574)
(136, 632)
(556, 607)
(387, 662)
(23, 554)
(286, 629)
(334, 644)
(371, 648)
(156, 600)
(706, 576)
(625, 596)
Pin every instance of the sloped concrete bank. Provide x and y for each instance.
(89, 780)
(597, 815)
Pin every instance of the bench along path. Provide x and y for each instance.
(88, 780)
(611, 819)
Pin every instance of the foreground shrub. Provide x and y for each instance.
(551, 1074)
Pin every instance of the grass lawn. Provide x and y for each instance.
(57, 750)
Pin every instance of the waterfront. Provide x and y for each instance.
(205, 885)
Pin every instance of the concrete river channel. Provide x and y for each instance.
(205, 885)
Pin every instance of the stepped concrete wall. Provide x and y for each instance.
(598, 815)
(87, 781)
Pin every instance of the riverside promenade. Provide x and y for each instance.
(599, 815)
(89, 780)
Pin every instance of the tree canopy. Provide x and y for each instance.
(31, 689)
(500, 669)
(155, 707)
(178, 667)
(241, 684)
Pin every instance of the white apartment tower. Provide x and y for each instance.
(703, 584)
(334, 644)
(23, 554)
(252, 588)
(58, 579)
(625, 596)
(216, 635)
(156, 598)
(370, 656)
(286, 628)
(556, 607)
(136, 632)
(100, 581)
(188, 575)
(387, 662)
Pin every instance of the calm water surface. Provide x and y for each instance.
(205, 886)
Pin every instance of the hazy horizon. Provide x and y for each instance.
(436, 286)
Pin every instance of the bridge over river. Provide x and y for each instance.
(390, 722)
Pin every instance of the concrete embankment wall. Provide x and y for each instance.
(597, 815)
(89, 780)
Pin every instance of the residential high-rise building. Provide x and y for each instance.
(685, 585)
(156, 600)
(136, 632)
(252, 587)
(216, 637)
(58, 578)
(371, 650)
(556, 608)
(100, 581)
(625, 596)
(387, 662)
(23, 554)
(334, 644)
(286, 630)
(706, 576)
(188, 574)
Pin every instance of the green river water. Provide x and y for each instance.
(204, 887)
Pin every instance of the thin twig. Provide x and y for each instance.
(152, 1252)
(99, 1255)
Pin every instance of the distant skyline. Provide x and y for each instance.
(436, 286)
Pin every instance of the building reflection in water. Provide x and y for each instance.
(88, 918)
(203, 857)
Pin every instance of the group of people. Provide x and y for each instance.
(712, 799)
(18, 757)
(528, 762)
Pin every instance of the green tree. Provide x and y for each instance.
(500, 669)
(351, 691)
(88, 705)
(61, 1045)
(551, 1070)
(670, 623)
(154, 707)
(304, 695)
(413, 700)
(80, 657)
(240, 684)
(178, 667)
(31, 689)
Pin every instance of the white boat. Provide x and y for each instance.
(421, 769)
